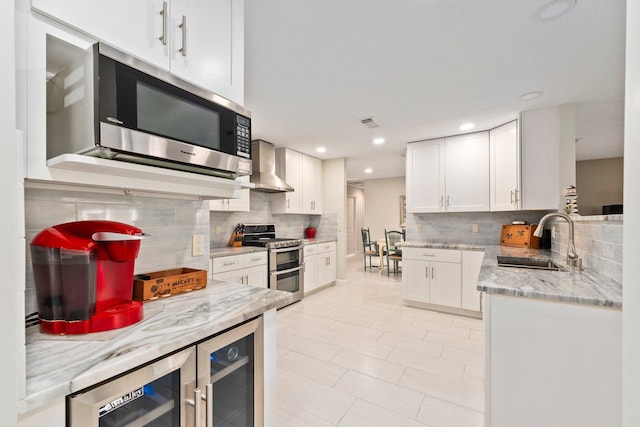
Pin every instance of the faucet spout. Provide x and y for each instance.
(572, 256)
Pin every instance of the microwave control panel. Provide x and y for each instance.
(243, 137)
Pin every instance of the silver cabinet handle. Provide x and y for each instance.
(447, 201)
(511, 196)
(433, 272)
(183, 27)
(229, 263)
(247, 277)
(288, 203)
(441, 201)
(426, 272)
(428, 254)
(209, 391)
(163, 13)
(197, 398)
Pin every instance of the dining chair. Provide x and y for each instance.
(369, 248)
(392, 252)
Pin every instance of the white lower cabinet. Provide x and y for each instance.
(319, 265)
(442, 277)
(248, 269)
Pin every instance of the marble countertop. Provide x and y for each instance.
(584, 287)
(318, 240)
(229, 251)
(431, 245)
(60, 365)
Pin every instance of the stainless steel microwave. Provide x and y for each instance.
(104, 103)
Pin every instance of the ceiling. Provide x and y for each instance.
(314, 69)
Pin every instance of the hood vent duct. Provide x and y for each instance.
(263, 155)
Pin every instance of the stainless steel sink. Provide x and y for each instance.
(536, 264)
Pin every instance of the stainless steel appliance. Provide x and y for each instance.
(219, 382)
(104, 103)
(264, 175)
(286, 262)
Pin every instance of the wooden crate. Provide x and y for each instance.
(520, 236)
(161, 284)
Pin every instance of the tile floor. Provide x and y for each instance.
(353, 355)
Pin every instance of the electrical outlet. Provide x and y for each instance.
(218, 230)
(474, 228)
(419, 227)
(197, 245)
(553, 232)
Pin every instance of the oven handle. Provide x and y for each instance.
(291, 270)
(287, 249)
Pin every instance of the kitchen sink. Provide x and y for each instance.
(533, 263)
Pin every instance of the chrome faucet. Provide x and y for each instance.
(572, 257)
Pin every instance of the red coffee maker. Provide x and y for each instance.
(84, 276)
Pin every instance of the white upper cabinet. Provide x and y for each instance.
(242, 203)
(207, 45)
(201, 41)
(467, 173)
(548, 156)
(449, 174)
(133, 26)
(504, 167)
(304, 174)
(311, 185)
(425, 176)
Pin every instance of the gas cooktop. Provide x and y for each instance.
(264, 235)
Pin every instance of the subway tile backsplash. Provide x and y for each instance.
(170, 223)
(598, 242)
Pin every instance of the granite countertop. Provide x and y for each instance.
(229, 251)
(61, 365)
(585, 287)
(318, 240)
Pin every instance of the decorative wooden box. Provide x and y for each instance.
(161, 284)
(520, 236)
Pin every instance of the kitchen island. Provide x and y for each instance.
(58, 366)
(553, 344)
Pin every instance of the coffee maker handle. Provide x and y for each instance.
(107, 236)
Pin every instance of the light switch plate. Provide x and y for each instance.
(419, 227)
(474, 228)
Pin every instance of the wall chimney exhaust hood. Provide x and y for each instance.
(263, 155)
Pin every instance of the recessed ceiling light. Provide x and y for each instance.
(368, 170)
(378, 141)
(321, 150)
(554, 9)
(531, 95)
(467, 126)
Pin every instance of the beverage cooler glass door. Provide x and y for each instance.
(230, 376)
(159, 395)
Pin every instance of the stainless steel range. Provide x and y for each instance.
(286, 266)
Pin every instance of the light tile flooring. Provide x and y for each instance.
(353, 355)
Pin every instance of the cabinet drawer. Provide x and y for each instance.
(254, 259)
(429, 254)
(310, 249)
(326, 247)
(227, 263)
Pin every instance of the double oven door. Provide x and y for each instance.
(286, 270)
(219, 382)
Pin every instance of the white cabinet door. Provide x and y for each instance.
(311, 185)
(207, 39)
(415, 279)
(425, 176)
(326, 263)
(233, 276)
(540, 133)
(445, 287)
(467, 173)
(256, 276)
(504, 166)
(310, 272)
(132, 26)
(240, 204)
(289, 168)
(471, 264)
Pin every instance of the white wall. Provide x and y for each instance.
(631, 234)
(334, 199)
(12, 229)
(382, 204)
